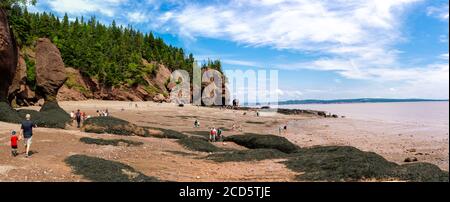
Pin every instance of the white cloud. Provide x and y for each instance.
(106, 7)
(444, 56)
(356, 35)
(137, 17)
(241, 63)
(300, 25)
(443, 38)
(440, 12)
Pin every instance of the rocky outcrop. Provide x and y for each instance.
(76, 88)
(162, 77)
(8, 56)
(19, 81)
(69, 94)
(159, 98)
(50, 70)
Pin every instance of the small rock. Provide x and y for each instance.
(409, 160)
(412, 150)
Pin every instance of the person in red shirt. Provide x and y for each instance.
(14, 140)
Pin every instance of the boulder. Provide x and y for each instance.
(409, 160)
(159, 98)
(8, 56)
(50, 69)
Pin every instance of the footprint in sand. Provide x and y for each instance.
(4, 169)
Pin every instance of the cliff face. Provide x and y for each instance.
(8, 56)
(78, 87)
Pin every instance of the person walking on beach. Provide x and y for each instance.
(27, 133)
(78, 118)
(212, 135)
(83, 115)
(196, 124)
(14, 140)
(219, 135)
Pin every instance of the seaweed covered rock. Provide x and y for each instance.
(336, 163)
(420, 172)
(51, 115)
(102, 170)
(50, 69)
(165, 133)
(198, 144)
(8, 55)
(113, 125)
(8, 114)
(254, 141)
(115, 142)
(339, 164)
(247, 155)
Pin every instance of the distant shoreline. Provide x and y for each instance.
(354, 101)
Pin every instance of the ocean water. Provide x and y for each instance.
(420, 113)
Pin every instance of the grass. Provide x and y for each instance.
(198, 144)
(247, 155)
(101, 170)
(112, 125)
(255, 141)
(115, 142)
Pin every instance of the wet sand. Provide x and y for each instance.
(167, 160)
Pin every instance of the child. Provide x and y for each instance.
(212, 135)
(14, 140)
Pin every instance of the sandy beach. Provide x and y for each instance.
(169, 161)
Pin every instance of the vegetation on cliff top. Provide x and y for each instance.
(113, 54)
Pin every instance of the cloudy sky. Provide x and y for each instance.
(323, 49)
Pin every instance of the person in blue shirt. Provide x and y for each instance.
(27, 133)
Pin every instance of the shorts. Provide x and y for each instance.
(14, 147)
(28, 141)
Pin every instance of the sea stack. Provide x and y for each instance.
(50, 70)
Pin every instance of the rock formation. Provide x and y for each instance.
(50, 70)
(19, 81)
(8, 56)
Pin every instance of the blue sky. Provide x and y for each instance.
(323, 49)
